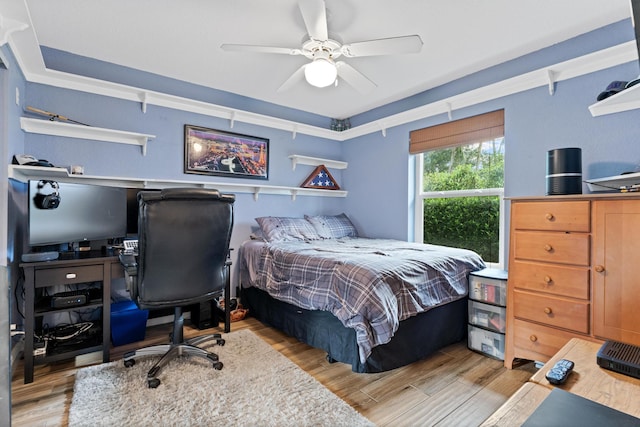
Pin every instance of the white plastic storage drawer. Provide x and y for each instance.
(488, 285)
(488, 316)
(487, 342)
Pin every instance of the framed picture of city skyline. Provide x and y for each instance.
(221, 153)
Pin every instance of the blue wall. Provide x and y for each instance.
(535, 122)
(380, 173)
(165, 153)
(12, 143)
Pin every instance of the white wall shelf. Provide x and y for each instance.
(26, 173)
(613, 182)
(628, 99)
(315, 161)
(48, 127)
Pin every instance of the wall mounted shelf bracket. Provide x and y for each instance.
(551, 77)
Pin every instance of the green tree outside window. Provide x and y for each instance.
(470, 222)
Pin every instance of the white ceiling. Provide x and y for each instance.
(181, 40)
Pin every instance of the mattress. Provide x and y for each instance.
(370, 285)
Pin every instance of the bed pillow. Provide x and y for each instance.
(280, 229)
(257, 234)
(333, 226)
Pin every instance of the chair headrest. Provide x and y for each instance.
(188, 193)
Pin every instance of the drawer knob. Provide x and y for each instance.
(599, 268)
(549, 216)
(71, 275)
(548, 310)
(548, 248)
(547, 279)
(533, 338)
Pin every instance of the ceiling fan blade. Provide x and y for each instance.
(296, 77)
(260, 49)
(355, 78)
(314, 14)
(390, 46)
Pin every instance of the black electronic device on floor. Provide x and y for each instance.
(204, 315)
(620, 357)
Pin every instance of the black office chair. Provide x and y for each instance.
(183, 259)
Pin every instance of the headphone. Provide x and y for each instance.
(47, 201)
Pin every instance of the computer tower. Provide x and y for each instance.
(204, 315)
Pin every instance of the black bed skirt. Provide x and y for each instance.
(416, 338)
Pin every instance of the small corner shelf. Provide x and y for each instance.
(613, 183)
(314, 161)
(48, 127)
(628, 99)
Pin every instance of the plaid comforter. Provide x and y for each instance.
(369, 284)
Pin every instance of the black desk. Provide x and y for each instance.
(70, 268)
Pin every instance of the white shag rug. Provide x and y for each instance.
(257, 387)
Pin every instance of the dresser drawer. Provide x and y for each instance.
(537, 342)
(552, 216)
(552, 311)
(563, 248)
(68, 275)
(557, 280)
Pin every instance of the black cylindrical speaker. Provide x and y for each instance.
(564, 171)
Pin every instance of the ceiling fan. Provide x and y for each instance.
(324, 69)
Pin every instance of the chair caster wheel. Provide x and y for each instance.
(221, 342)
(218, 366)
(330, 359)
(129, 363)
(153, 383)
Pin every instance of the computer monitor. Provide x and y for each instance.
(84, 213)
(132, 212)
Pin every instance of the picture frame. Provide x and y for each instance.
(221, 153)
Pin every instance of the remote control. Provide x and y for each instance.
(560, 371)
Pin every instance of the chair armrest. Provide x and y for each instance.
(129, 263)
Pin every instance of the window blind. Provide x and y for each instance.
(483, 127)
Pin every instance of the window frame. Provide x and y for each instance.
(421, 195)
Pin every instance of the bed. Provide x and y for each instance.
(376, 304)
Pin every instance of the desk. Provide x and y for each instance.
(70, 268)
(588, 380)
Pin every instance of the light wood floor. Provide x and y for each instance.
(455, 386)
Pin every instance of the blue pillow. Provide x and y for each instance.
(333, 226)
(281, 229)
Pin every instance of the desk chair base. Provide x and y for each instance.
(179, 347)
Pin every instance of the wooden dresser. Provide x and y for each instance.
(572, 273)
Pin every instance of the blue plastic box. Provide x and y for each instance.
(128, 323)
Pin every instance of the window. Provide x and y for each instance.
(460, 185)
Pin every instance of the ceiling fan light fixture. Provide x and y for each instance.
(322, 72)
